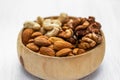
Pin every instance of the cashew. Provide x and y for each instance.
(40, 20)
(66, 34)
(53, 32)
(49, 24)
(51, 27)
(31, 24)
(42, 30)
(62, 17)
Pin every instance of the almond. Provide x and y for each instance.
(26, 34)
(63, 52)
(33, 47)
(47, 51)
(58, 45)
(30, 40)
(35, 34)
(54, 39)
(41, 41)
(43, 37)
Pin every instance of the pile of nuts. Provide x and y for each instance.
(62, 36)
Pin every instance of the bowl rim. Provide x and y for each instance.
(54, 57)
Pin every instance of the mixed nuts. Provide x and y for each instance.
(62, 36)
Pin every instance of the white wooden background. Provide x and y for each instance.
(14, 12)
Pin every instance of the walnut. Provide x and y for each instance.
(91, 19)
(76, 22)
(88, 26)
(83, 26)
(72, 23)
(77, 51)
(90, 40)
(72, 40)
(69, 24)
(81, 33)
(66, 34)
(96, 37)
(94, 27)
(83, 20)
(86, 43)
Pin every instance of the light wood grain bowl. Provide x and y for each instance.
(60, 68)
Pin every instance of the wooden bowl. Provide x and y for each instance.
(60, 68)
